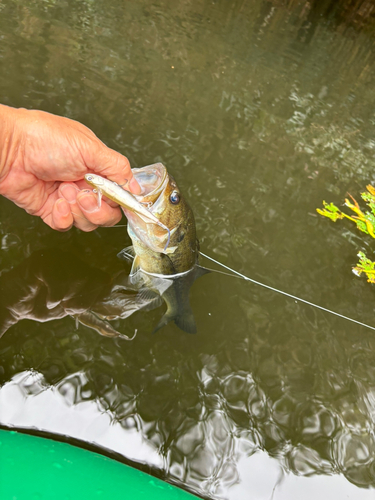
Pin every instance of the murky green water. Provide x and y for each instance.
(260, 110)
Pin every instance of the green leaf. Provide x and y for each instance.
(331, 211)
(362, 226)
(366, 266)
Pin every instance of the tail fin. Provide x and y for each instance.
(177, 299)
(183, 319)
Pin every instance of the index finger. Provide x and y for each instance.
(115, 167)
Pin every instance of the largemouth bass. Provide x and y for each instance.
(169, 274)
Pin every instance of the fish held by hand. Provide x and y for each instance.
(172, 272)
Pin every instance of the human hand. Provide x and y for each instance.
(43, 160)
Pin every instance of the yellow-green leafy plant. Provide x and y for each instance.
(365, 222)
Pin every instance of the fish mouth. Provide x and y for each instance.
(152, 180)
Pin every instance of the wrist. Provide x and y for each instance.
(9, 140)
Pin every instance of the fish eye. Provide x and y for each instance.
(89, 177)
(174, 197)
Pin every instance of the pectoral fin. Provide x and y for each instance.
(147, 295)
(126, 254)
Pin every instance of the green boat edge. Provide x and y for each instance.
(40, 468)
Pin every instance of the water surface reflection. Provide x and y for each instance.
(305, 398)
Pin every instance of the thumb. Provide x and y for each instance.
(115, 167)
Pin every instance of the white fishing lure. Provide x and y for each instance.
(125, 199)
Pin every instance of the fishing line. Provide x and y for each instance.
(219, 272)
(110, 227)
(105, 227)
(287, 294)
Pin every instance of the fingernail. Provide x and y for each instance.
(134, 187)
(88, 201)
(70, 193)
(62, 207)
